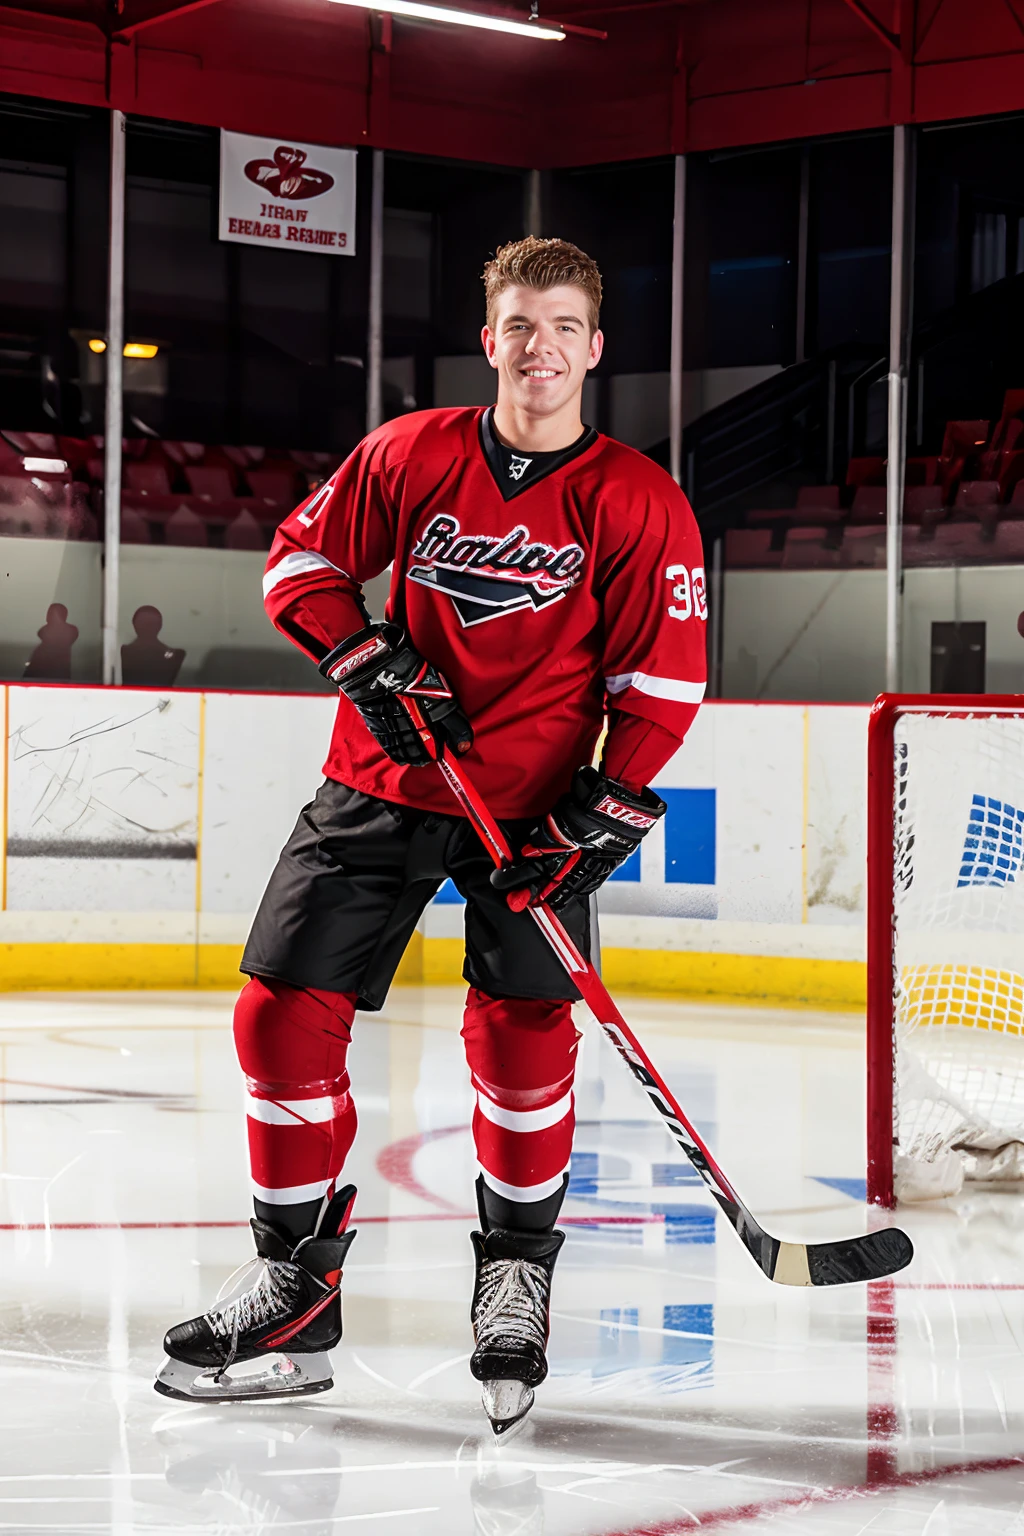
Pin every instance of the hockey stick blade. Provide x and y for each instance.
(848, 1261)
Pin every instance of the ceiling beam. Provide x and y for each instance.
(124, 33)
(43, 16)
(890, 39)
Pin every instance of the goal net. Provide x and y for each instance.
(946, 945)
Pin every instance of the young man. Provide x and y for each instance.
(543, 575)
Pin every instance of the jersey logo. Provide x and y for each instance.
(487, 576)
(518, 466)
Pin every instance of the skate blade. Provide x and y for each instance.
(506, 1404)
(271, 1376)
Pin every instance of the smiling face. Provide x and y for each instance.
(542, 348)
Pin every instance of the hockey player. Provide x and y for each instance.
(543, 576)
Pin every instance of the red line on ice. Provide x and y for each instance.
(395, 1164)
(741, 1514)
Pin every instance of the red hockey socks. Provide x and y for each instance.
(292, 1044)
(522, 1055)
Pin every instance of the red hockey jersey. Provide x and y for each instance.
(543, 597)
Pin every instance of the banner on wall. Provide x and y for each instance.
(288, 196)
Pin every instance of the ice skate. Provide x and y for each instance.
(510, 1321)
(271, 1339)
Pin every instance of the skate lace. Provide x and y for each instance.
(512, 1303)
(270, 1297)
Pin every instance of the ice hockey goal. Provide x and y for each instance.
(945, 943)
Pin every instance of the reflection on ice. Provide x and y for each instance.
(686, 1393)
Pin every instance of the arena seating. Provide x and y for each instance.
(173, 492)
(751, 549)
(960, 505)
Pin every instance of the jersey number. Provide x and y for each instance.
(312, 510)
(689, 594)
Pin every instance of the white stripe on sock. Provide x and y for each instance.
(524, 1194)
(525, 1119)
(293, 1196)
(290, 1111)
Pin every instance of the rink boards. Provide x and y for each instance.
(139, 829)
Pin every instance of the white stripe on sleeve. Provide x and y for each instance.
(656, 687)
(525, 1119)
(298, 563)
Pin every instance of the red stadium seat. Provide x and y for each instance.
(1010, 470)
(950, 544)
(806, 549)
(146, 478)
(863, 547)
(868, 505)
(243, 458)
(186, 528)
(275, 488)
(815, 517)
(976, 493)
(750, 549)
(35, 444)
(962, 443)
(817, 496)
(769, 517)
(182, 453)
(1008, 544)
(210, 481)
(919, 471)
(1007, 435)
(77, 451)
(979, 499)
(244, 533)
(920, 500)
(134, 527)
(866, 472)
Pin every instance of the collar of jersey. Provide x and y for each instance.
(548, 466)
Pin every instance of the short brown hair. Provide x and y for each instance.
(537, 263)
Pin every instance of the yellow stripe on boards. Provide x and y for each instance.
(740, 978)
(438, 962)
(117, 967)
(745, 978)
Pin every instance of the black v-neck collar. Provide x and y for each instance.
(537, 467)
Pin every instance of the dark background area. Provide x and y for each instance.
(267, 347)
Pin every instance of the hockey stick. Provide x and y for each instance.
(839, 1263)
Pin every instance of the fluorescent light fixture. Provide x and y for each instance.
(420, 12)
(46, 466)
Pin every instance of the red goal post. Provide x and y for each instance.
(884, 975)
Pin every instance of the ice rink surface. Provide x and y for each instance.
(686, 1393)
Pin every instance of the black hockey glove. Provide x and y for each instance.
(375, 668)
(576, 846)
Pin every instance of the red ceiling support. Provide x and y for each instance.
(378, 92)
(680, 93)
(901, 85)
(890, 39)
(124, 33)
